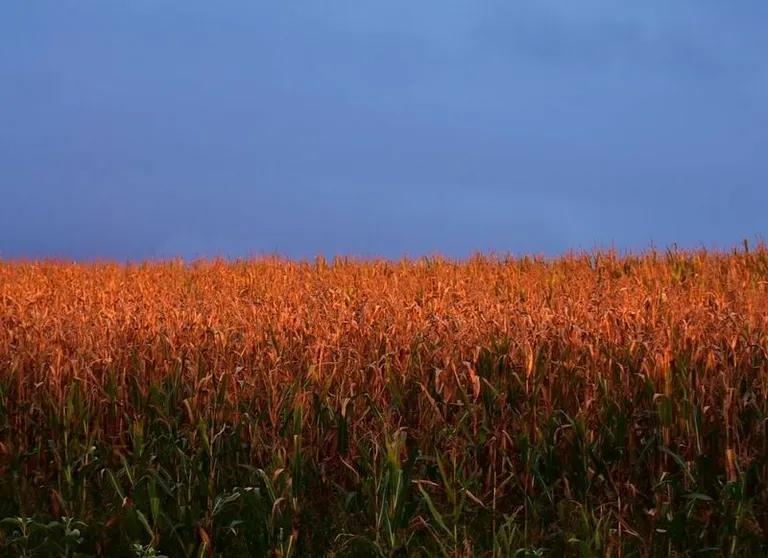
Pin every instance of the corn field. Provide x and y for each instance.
(588, 405)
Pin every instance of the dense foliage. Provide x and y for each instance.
(589, 405)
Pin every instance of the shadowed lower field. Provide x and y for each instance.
(592, 405)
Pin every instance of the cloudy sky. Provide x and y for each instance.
(156, 128)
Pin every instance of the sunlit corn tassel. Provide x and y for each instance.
(666, 366)
(474, 380)
(528, 359)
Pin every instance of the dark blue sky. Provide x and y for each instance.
(154, 128)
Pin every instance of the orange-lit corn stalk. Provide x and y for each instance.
(469, 407)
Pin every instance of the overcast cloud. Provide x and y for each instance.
(146, 128)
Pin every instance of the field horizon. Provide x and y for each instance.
(608, 251)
